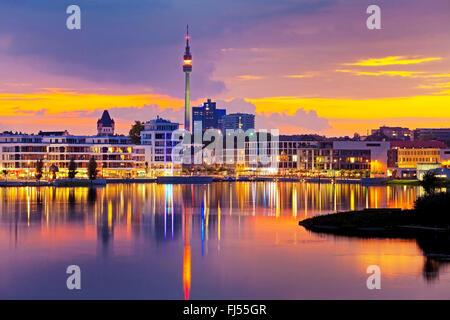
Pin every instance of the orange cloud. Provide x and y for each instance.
(392, 60)
(408, 74)
(299, 76)
(416, 106)
(54, 101)
(248, 77)
(435, 85)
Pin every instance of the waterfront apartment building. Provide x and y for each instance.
(236, 121)
(287, 157)
(156, 138)
(405, 157)
(445, 157)
(368, 157)
(209, 115)
(407, 154)
(363, 158)
(115, 155)
(328, 157)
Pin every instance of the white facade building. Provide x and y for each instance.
(156, 139)
(115, 155)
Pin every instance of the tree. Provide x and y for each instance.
(39, 169)
(428, 137)
(378, 136)
(72, 168)
(429, 182)
(92, 169)
(135, 132)
(5, 174)
(53, 170)
(146, 168)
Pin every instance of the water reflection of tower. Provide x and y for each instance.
(187, 253)
(188, 212)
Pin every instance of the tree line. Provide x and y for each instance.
(72, 169)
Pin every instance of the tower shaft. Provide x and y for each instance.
(187, 69)
(187, 103)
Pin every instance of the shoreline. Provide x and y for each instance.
(197, 180)
(374, 223)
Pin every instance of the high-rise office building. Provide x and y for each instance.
(209, 116)
(235, 121)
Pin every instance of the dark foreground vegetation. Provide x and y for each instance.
(428, 224)
(431, 212)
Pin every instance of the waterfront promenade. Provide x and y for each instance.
(188, 180)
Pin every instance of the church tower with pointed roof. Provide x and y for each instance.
(105, 125)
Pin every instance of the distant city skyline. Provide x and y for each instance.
(303, 67)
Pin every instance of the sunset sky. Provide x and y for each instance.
(304, 66)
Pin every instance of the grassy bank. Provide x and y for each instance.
(442, 183)
(403, 182)
(429, 214)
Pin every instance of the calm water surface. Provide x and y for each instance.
(220, 241)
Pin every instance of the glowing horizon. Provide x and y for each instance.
(297, 69)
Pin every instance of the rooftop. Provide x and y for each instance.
(53, 133)
(160, 120)
(418, 144)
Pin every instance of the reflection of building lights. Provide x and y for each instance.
(218, 219)
(203, 226)
(110, 214)
(294, 202)
(187, 271)
(352, 199)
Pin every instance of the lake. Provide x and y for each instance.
(221, 241)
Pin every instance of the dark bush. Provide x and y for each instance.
(434, 208)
